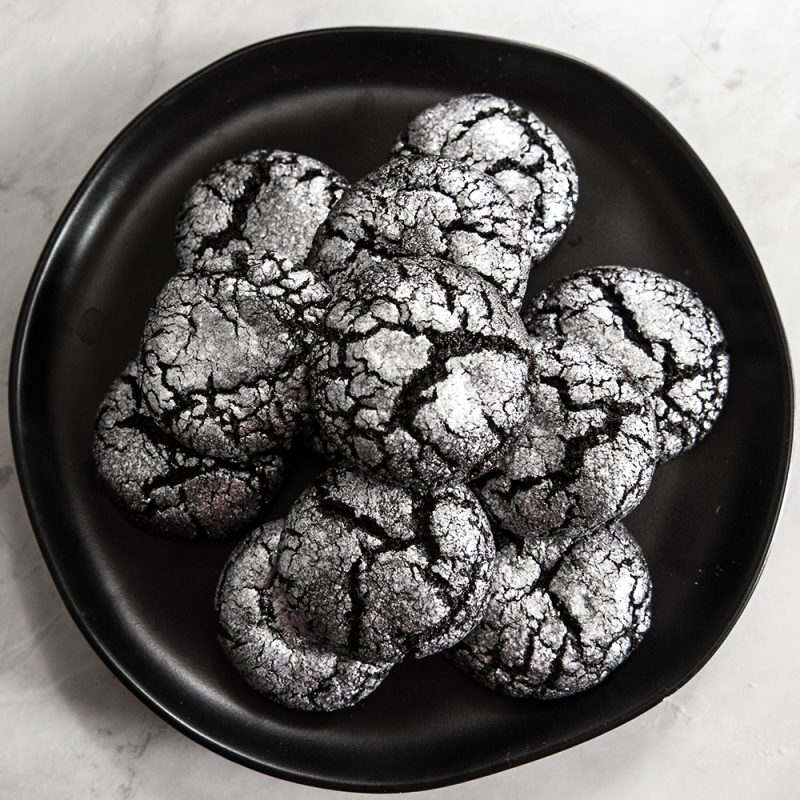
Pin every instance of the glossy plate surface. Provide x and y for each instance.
(146, 604)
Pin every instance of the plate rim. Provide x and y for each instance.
(27, 480)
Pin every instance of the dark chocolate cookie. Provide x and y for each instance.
(272, 652)
(264, 205)
(511, 144)
(224, 363)
(166, 487)
(658, 330)
(420, 370)
(586, 453)
(427, 207)
(381, 572)
(564, 613)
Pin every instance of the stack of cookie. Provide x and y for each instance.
(481, 460)
(191, 440)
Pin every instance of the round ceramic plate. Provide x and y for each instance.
(145, 604)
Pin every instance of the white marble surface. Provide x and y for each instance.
(73, 73)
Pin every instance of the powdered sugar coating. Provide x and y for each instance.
(563, 614)
(658, 330)
(167, 487)
(586, 453)
(262, 206)
(224, 361)
(427, 207)
(268, 646)
(420, 371)
(510, 143)
(381, 572)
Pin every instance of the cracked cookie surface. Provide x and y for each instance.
(264, 205)
(167, 487)
(586, 453)
(381, 572)
(264, 642)
(504, 140)
(420, 370)
(427, 207)
(224, 362)
(657, 329)
(563, 614)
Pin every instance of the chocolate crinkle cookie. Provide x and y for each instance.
(224, 362)
(658, 330)
(381, 572)
(586, 453)
(510, 143)
(420, 370)
(427, 207)
(563, 614)
(264, 205)
(166, 487)
(264, 642)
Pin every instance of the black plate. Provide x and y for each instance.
(341, 95)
